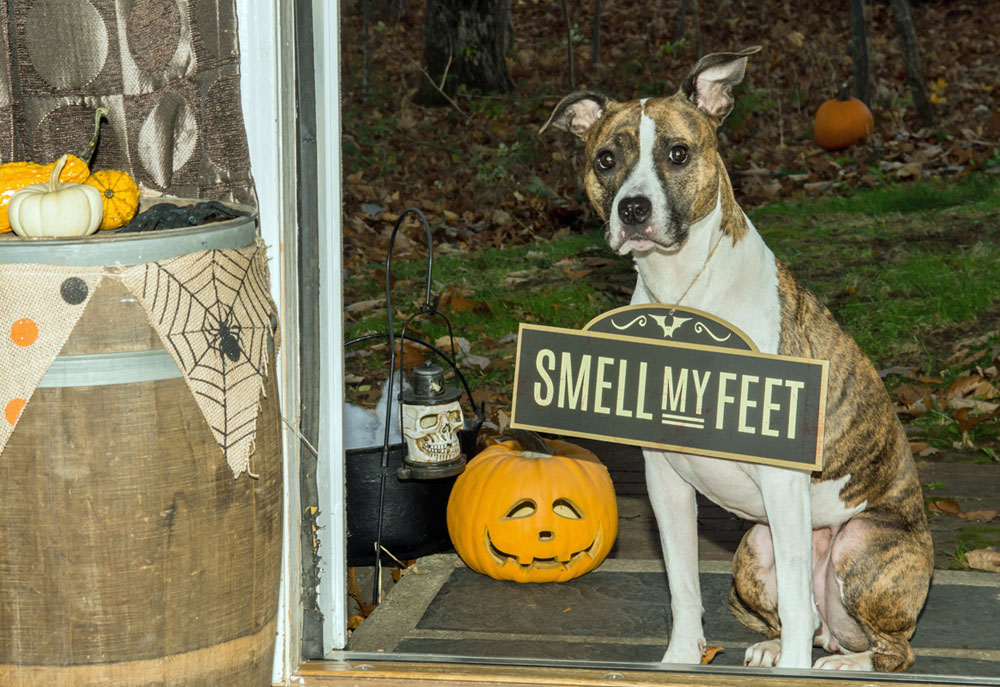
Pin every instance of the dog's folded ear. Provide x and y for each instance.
(577, 112)
(710, 83)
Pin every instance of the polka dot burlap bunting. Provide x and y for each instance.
(39, 307)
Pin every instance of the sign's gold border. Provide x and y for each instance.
(645, 306)
(816, 465)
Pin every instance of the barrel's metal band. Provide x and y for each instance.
(101, 369)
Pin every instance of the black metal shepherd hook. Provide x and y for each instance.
(428, 309)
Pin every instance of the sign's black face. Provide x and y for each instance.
(688, 397)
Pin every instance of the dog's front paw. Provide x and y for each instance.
(684, 652)
(763, 654)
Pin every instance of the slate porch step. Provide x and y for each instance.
(621, 612)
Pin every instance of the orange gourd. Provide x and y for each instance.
(531, 517)
(120, 195)
(842, 122)
(14, 176)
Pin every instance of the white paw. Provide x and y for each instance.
(689, 653)
(763, 654)
(861, 661)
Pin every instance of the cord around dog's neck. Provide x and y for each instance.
(700, 272)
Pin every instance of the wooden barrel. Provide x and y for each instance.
(129, 555)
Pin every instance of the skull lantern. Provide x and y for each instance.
(432, 417)
(533, 517)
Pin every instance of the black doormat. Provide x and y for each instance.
(621, 613)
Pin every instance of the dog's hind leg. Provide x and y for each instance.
(753, 597)
(879, 599)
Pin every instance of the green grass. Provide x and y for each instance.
(981, 190)
(487, 275)
(495, 305)
(901, 267)
(895, 264)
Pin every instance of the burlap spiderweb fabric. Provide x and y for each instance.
(214, 314)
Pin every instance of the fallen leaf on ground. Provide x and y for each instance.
(359, 306)
(470, 360)
(462, 344)
(457, 299)
(710, 653)
(413, 354)
(983, 559)
(948, 507)
(911, 393)
(966, 425)
(980, 515)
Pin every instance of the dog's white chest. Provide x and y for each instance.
(736, 283)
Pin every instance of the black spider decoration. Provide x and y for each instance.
(224, 337)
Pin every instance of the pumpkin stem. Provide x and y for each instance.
(88, 152)
(530, 442)
(845, 93)
(54, 184)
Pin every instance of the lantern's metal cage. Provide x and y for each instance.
(429, 308)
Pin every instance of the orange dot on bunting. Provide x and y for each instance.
(24, 332)
(13, 409)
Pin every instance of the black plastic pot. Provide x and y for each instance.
(414, 520)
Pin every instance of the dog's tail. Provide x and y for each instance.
(748, 617)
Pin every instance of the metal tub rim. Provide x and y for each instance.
(134, 249)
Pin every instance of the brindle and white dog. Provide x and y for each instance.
(841, 558)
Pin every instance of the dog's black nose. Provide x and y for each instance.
(634, 210)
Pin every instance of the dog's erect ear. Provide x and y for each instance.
(577, 112)
(710, 83)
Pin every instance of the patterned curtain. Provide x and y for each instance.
(166, 70)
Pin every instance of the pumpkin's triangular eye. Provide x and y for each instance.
(567, 509)
(522, 509)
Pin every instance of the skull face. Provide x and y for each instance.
(431, 432)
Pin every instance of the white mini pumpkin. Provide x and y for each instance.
(56, 209)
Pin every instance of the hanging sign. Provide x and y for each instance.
(672, 378)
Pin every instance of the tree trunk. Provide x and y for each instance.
(465, 43)
(681, 21)
(696, 11)
(859, 52)
(595, 38)
(569, 47)
(911, 54)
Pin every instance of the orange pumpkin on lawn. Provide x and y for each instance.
(840, 123)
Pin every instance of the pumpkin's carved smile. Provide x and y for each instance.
(501, 558)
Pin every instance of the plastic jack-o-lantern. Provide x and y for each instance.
(529, 516)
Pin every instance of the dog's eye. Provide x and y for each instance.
(678, 155)
(605, 160)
